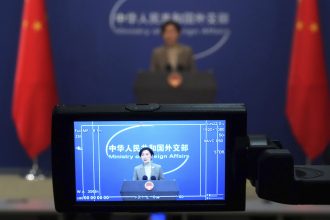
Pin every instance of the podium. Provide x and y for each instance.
(162, 190)
(152, 87)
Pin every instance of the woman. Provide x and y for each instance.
(147, 170)
(172, 56)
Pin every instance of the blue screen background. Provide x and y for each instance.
(191, 152)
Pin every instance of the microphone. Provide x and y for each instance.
(144, 177)
(153, 178)
(180, 68)
(168, 68)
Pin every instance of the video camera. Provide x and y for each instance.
(186, 157)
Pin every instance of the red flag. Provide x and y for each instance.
(308, 98)
(34, 87)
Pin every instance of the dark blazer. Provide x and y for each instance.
(156, 170)
(159, 60)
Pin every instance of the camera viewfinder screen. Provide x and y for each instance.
(149, 160)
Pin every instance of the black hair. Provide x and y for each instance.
(170, 22)
(148, 149)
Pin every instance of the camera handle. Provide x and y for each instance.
(272, 172)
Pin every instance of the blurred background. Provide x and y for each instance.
(99, 48)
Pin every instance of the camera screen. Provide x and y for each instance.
(150, 160)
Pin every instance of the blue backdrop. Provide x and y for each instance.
(190, 152)
(99, 46)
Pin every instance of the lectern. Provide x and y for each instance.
(150, 87)
(161, 190)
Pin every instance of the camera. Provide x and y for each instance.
(170, 157)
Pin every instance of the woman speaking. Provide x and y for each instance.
(147, 170)
(172, 56)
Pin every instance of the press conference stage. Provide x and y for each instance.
(21, 199)
(153, 105)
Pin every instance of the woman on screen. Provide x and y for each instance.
(147, 170)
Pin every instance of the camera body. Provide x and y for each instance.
(199, 161)
(186, 157)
